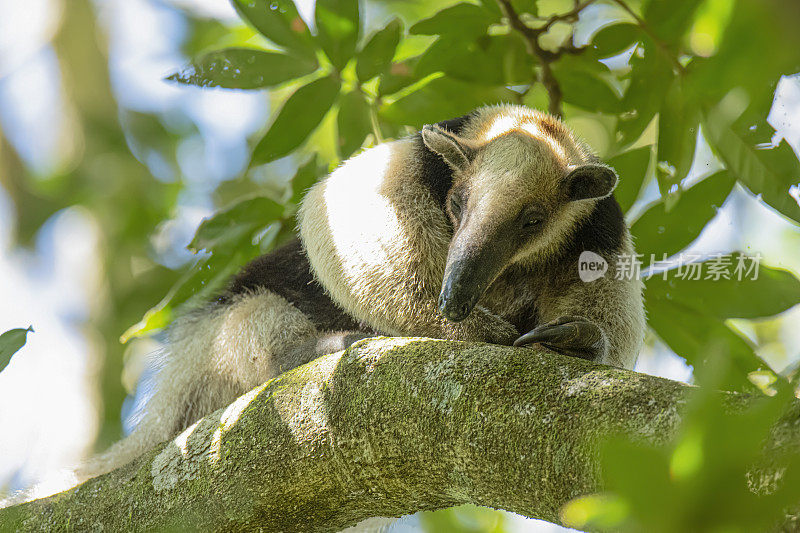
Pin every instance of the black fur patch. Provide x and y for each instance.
(602, 231)
(432, 169)
(456, 125)
(286, 272)
(433, 172)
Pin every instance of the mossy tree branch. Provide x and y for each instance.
(389, 427)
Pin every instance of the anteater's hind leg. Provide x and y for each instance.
(319, 345)
(274, 316)
(214, 355)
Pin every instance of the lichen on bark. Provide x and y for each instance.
(388, 427)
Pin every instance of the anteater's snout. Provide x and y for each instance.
(453, 311)
(459, 292)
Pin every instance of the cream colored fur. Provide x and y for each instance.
(213, 355)
(378, 242)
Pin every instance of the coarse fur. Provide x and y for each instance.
(377, 238)
(384, 261)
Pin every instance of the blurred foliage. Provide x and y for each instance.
(464, 519)
(725, 470)
(653, 79)
(107, 180)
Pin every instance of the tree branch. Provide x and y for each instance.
(569, 16)
(388, 427)
(545, 57)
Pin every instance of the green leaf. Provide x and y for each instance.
(670, 20)
(440, 99)
(694, 335)
(614, 39)
(769, 172)
(525, 6)
(595, 512)
(353, 121)
(492, 7)
(199, 283)
(400, 75)
(446, 54)
(464, 20)
(376, 56)
(306, 176)
(586, 90)
(678, 120)
(148, 137)
(279, 22)
(631, 167)
(226, 229)
(511, 56)
(487, 60)
(10, 343)
(740, 61)
(338, 28)
(242, 68)
(704, 478)
(659, 231)
(202, 35)
(651, 76)
(299, 116)
(689, 314)
(774, 291)
(234, 235)
(626, 464)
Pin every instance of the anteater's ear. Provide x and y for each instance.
(456, 151)
(590, 181)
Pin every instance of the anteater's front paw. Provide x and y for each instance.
(568, 335)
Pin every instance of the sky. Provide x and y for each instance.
(46, 408)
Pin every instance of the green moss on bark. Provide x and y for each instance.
(388, 427)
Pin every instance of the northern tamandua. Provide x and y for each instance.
(470, 229)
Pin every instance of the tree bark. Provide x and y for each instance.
(388, 427)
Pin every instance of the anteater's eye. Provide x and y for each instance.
(455, 206)
(531, 223)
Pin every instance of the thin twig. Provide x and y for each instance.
(531, 35)
(565, 16)
(376, 127)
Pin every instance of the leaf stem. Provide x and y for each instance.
(373, 119)
(531, 36)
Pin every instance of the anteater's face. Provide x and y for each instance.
(515, 199)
